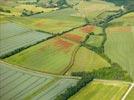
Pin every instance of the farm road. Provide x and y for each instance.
(130, 88)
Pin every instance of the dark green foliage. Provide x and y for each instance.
(128, 4)
(4, 10)
(29, 13)
(26, 13)
(87, 21)
(117, 2)
(98, 50)
(115, 72)
(61, 2)
(85, 79)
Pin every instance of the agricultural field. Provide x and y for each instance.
(60, 15)
(13, 30)
(121, 32)
(82, 33)
(130, 95)
(52, 56)
(27, 84)
(95, 40)
(53, 26)
(16, 9)
(79, 34)
(107, 90)
(66, 49)
(17, 36)
(93, 8)
(87, 60)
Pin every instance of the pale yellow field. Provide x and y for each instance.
(102, 90)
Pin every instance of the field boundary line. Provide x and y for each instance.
(36, 73)
(128, 91)
(105, 80)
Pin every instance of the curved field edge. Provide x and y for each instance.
(19, 84)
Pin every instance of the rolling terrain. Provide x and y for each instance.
(66, 49)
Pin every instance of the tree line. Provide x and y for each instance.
(115, 72)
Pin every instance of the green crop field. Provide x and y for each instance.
(93, 8)
(52, 56)
(95, 41)
(106, 90)
(13, 29)
(130, 95)
(63, 49)
(121, 33)
(79, 34)
(60, 15)
(53, 26)
(87, 60)
(16, 37)
(26, 84)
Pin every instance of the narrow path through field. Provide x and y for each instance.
(71, 60)
(130, 88)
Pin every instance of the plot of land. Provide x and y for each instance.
(106, 90)
(93, 8)
(87, 60)
(119, 45)
(16, 37)
(9, 29)
(95, 41)
(60, 15)
(51, 56)
(53, 26)
(25, 84)
(80, 34)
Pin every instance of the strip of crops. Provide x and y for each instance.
(9, 29)
(22, 40)
(18, 84)
(51, 56)
(57, 88)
